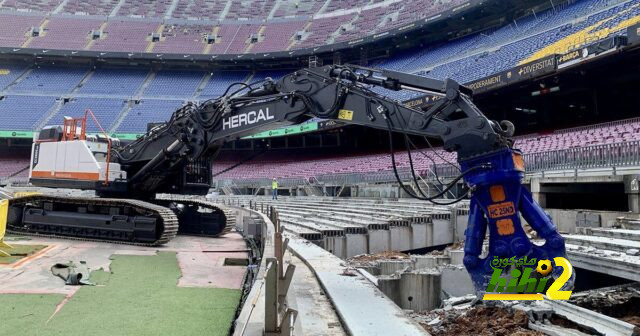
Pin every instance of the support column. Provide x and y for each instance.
(537, 194)
(632, 189)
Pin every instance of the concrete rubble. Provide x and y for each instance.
(417, 282)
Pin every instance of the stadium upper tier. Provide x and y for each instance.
(202, 26)
(126, 99)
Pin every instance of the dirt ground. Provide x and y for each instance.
(484, 321)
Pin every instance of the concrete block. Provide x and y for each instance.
(400, 238)
(388, 267)
(632, 252)
(461, 226)
(441, 232)
(456, 281)
(418, 235)
(378, 241)
(390, 286)
(373, 270)
(428, 261)
(335, 245)
(456, 257)
(420, 290)
(355, 244)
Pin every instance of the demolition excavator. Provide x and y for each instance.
(175, 158)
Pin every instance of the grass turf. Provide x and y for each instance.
(18, 252)
(138, 297)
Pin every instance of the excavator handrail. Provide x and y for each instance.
(89, 112)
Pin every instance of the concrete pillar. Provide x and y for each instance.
(355, 244)
(389, 267)
(378, 241)
(418, 235)
(632, 189)
(456, 256)
(537, 194)
(456, 281)
(335, 245)
(420, 290)
(390, 286)
(400, 238)
(428, 261)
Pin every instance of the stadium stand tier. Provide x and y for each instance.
(465, 60)
(202, 26)
(307, 165)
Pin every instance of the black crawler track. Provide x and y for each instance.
(166, 222)
(168, 226)
(223, 225)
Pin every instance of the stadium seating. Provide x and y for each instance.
(220, 81)
(151, 9)
(199, 9)
(32, 5)
(9, 73)
(243, 26)
(182, 39)
(49, 80)
(464, 59)
(64, 33)
(10, 166)
(147, 111)
(236, 24)
(14, 28)
(125, 36)
(175, 84)
(105, 110)
(113, 82)
(23, 112)
(90, 7)
(306, 165)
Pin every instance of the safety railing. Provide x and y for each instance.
(599, 156)
(622, 154)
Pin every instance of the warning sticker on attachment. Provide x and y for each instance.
(345, 114)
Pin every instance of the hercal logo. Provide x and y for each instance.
(247, 118)
(524, 284)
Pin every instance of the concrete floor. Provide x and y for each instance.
(200, 262)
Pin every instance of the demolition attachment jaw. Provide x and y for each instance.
(498, 202)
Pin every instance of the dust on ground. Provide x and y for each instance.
(386, 255)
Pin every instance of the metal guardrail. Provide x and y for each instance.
(599, 156)
(622, 154)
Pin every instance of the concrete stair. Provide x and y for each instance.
(631, 224)
(612, 251)
(603, 243)
(614, 233)
(351, 226)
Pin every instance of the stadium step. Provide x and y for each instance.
(613, 233)
(631, 224)
(603, 243)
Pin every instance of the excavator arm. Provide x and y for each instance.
(196, 132)
(491, 168)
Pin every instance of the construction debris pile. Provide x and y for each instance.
(460, 317)
(621, 302)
